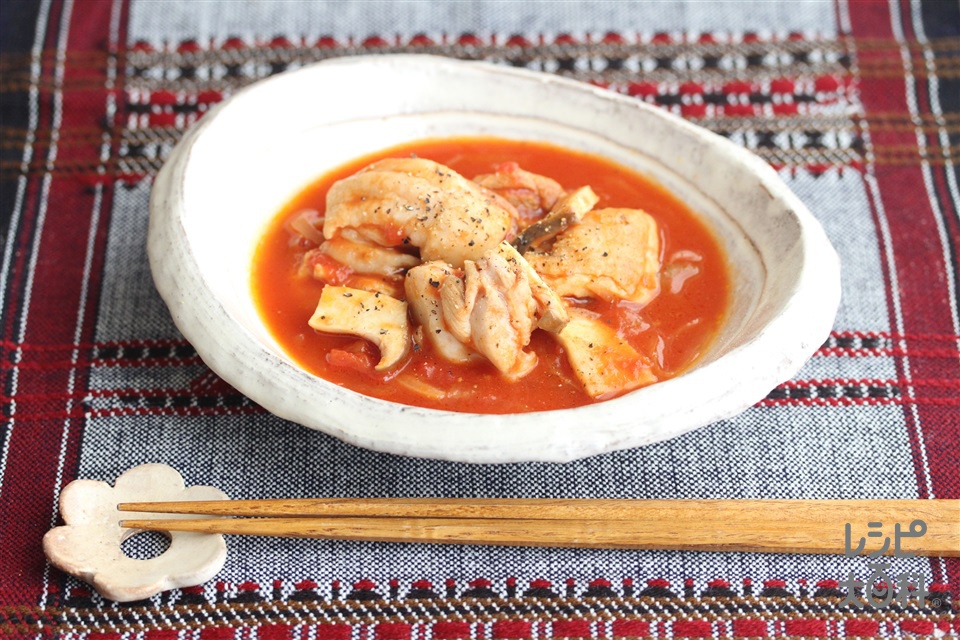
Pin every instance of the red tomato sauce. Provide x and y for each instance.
(674, 329)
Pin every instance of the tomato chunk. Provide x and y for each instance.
(358, 356)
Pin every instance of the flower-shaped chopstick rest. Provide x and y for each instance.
(89, 545)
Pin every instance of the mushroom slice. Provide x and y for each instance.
(568, 211)
(370, 315)
(605, 364)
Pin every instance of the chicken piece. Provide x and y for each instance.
(497, 305)
(550, 310)
(491, 308)
(373, 316)
(612, 254)
(417, 202)
(532, 194)
(363, 257)
(568, 211)
(422, 287)
(358, 265)
(605, 364)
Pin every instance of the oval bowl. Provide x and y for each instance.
(250, 155)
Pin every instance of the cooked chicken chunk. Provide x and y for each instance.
(532, 194)
(491, 309)
(321, 266)
(550, 309)
(364, 257)
(412, 201)
(612, 254)
(372, 316)
(422, 287)
(605, 364)
(415, 228)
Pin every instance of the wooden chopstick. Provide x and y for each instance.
(550, 509)
(790, 526)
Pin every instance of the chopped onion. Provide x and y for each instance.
(420, 387)
(305, 223)
(678, 273)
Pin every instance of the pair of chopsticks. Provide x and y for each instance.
(788, 526)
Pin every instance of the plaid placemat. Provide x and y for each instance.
(857, 104)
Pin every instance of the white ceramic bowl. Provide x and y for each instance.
(232, 173)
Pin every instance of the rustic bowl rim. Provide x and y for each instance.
(798, 312)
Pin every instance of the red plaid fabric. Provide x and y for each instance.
(855, 103)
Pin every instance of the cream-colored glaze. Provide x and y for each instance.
(231, 174)
(88, 546)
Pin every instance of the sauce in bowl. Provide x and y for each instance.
(672, 330)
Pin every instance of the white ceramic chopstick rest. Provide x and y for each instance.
(88, 546)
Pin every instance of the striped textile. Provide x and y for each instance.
(855, 103)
